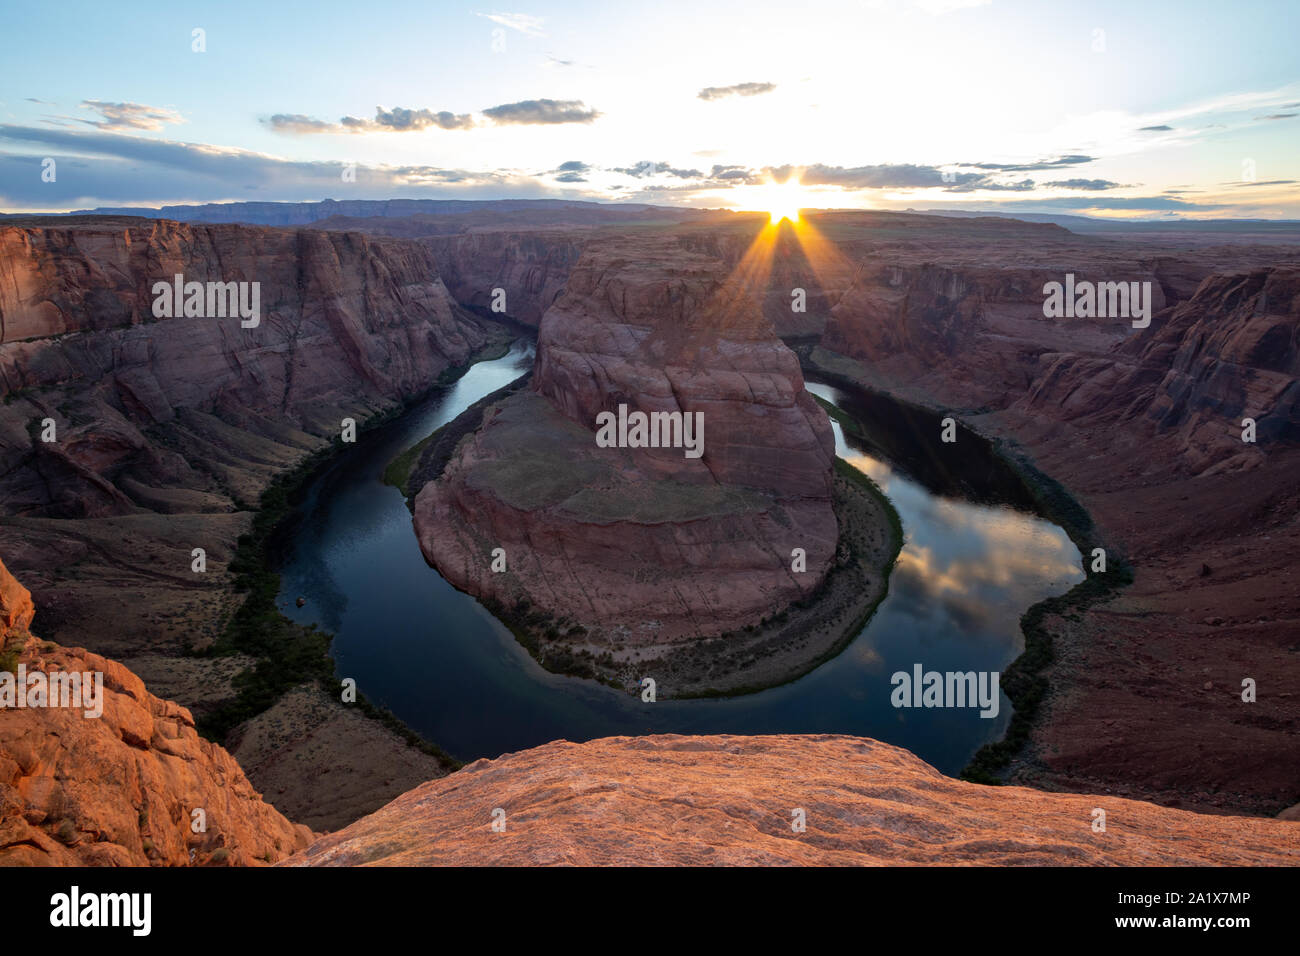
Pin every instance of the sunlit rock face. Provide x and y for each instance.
(647, 543)
(658, 328)
(114, 777)
(776, 800)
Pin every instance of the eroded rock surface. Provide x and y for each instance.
(647, 544)
(671, 800)
(119, 789)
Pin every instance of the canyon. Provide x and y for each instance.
(170, 431)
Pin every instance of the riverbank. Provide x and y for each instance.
(786, 645)
(322, 761)
(1025, 680)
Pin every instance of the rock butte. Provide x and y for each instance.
(644, 543)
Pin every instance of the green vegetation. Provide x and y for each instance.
(289, 654)
(1023, 681)
(398, 471)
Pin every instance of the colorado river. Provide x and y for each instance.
(967, 570)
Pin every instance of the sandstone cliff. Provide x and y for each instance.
(723, 800)
(531, 267)
(1230, 351)
(186, 417)
(119, 789)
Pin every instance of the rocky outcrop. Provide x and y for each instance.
(122, 788)
(723, 800)
(1231, 351)
(643, 544)
(531, 268)
(348, 325)
(16, 609)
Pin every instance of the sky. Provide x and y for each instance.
(1146, 109)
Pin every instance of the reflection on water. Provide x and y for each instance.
(438, 660)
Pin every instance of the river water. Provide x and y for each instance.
(971, 563)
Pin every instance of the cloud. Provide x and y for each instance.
(1276, 116)
(892, 176)
(1154, 129)
(571, 172)
(1271, 182)
(403, 119)
(105, 169)
(115, 116)
(739, 89)
(740, 174)
(1071, 160)
(522, 22)
(646, 168)
(297, 124)
(397, 120)
(1153, 203)
(1089, 184)
(541, 113)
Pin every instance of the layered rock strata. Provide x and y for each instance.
(643, 545)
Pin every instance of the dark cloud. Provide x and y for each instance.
(739, 89)
(1271, 182)
(646, 168)
(541, 112)
(1095, 185)
(403, 119)
(572, 166)
(1071, 160)
(115, 116)
(1277, 116)
(570, 178)
(739, 174)
(989, 184)
(1154, 129)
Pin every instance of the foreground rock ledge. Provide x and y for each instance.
(672, 800)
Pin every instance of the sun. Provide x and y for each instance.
(782, 200)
